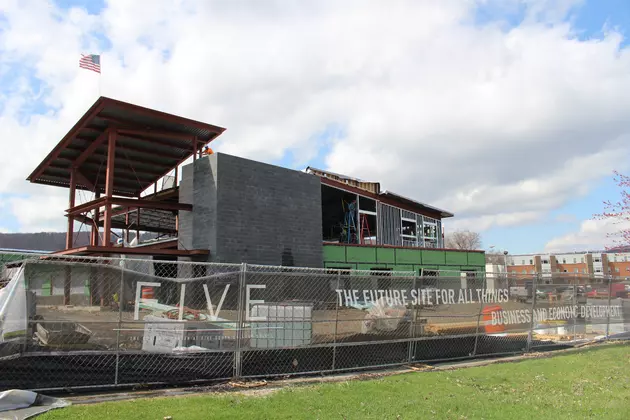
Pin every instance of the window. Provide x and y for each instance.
(584, 270)
(616, 269)
(523, 262)
(524, 271)
(598, 270)
(598, 260)
(564, 261)
(545, 261)
(577, 270)
(574, 260)
(582, 260)
(409, 228)
(409, 232)
(531, 262)
(367, 204)
(430, 231)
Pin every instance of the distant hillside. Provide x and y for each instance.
(42, 241)
(47, 241)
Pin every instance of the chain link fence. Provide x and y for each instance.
(79, 322)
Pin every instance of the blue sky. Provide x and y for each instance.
(328, 139)
(588, 19)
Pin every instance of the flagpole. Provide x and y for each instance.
(92, 62)
(100, 73)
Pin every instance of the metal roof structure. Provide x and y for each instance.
(412, 202)
(149, 144)
(373, 189)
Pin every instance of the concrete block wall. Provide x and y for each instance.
(248, 211)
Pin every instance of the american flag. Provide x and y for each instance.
(90, 62)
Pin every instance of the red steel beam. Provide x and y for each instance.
(95, 228)
(95, 109)
(84, 181)
(138, 225)
(123, 226)
(135, 250)
(123, 148)
(90, 205)
(151, 174)
(127, 227)
(162, 245)
(164, 116)
(94, 160)
(91, 148)
(156, 141)
(90, 129)
(150, 204)
(155, 133)
(109, 187)
(127, 203)
(71, 201)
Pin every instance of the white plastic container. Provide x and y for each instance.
(285, 325)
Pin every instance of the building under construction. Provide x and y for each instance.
(173, 303)
(151, 175)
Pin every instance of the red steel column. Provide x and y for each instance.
(109, 187)
(71, 200)
(138, 226)
(94, 233)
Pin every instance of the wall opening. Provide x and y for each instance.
(339, 216)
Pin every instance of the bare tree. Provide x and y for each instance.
(619, 212)
(495, 258)
(463, 239)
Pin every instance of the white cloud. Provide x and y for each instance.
(566, 218)
(39, 213)
(593, 235)
(477, 119)
(483, 223)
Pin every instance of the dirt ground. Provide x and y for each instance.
(343, 323)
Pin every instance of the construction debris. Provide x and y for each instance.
(248, 384)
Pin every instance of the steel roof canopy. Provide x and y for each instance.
(149, 145)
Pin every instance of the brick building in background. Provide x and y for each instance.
(598, 263)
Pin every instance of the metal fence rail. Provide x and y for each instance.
(72, 323)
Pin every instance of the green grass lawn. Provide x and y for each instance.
(593, 383)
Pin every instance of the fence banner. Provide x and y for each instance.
(70, 322)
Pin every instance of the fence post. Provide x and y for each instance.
(479, 315)
(575, 304)
(121, 265)
(334, 355)
(608, 308)
(412, 326)
(238, 357)
(533, 320)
